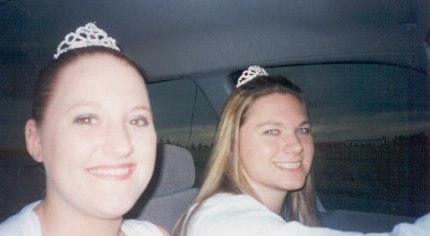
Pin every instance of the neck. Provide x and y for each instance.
(60, 220)
(270, 197)
(274, 202)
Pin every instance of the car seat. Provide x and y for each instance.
(171, 191)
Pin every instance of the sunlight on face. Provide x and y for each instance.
(98, 139)
(276, 145)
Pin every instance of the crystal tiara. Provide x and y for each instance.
(86, 36)
(250, 74)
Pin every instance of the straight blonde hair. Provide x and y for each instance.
(223, 173)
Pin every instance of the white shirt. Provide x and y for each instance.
(26, 223)
(241, 215)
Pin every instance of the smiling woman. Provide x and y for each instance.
(263, 151)
(92, 129)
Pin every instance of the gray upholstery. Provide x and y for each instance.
(170, 191)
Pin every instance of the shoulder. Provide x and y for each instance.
(229, 214)
(232, 214)
(420, 227)
(24, 222)
(234, 204)
(138, 227)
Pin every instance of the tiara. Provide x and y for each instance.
(250, 74)
(85, 36)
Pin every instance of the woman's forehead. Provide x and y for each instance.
(277, 105)
(99, 78)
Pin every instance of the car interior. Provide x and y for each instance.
(363, 66)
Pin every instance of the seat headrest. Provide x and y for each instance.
(174, 170)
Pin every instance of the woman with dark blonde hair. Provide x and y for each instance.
(258, 178)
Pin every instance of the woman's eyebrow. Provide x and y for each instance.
(142, 107)
(305, 122)
(276, 123)
(82, 104)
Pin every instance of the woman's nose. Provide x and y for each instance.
(117, 142)
(292, 144)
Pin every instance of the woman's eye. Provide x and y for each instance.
(141, 121)
(271, 132)
(304, 130)
(85, 120)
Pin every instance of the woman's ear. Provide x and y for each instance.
(33, 140)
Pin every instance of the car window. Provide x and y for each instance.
(184, 117)
(371, 129)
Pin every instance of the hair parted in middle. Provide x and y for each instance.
(223, 173)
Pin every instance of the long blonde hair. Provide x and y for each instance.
(223, 173)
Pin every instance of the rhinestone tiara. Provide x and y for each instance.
(250, 74)
(86, 36)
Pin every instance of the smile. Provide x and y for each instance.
(288, 165)
(116, 172)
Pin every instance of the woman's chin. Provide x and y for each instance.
(114, 210)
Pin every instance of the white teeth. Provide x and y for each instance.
(108, 171)
(288, 165)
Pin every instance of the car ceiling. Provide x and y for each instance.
(173, 38)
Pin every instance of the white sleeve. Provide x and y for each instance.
(242, 215)
(421, 227)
